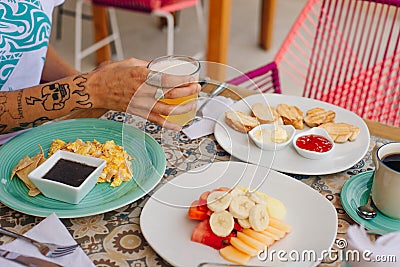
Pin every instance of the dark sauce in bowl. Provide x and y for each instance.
(69, 172)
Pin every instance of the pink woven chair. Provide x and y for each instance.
(160, 8)
(347, 53)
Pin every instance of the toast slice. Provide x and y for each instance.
(265, 114)
(240, 121)
(317, 116)
(341, 132)
(291, 115)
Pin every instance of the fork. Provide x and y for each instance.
(47, 249)
(217, 90)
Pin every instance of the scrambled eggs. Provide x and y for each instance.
(117, 169)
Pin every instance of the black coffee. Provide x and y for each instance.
(392, 161)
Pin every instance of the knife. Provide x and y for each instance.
(26, 260)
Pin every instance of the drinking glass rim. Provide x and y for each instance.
(188, 59)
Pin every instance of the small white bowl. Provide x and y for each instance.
(63, 191)
(290, 130)
(313, 154)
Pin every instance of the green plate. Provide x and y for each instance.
(355, 192)
(148, 167)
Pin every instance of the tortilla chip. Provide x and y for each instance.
(25, 166)
(23, 163)
(34, 192)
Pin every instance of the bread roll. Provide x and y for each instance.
(265, 114)
(240, 121)
(341, 132)
(291, 115)
(317, 116)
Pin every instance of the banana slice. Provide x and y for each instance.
(258, 217)
(240, 207)
(244, 223)
(237, 192)
(221, 223)
(256, 198)
(218, 200)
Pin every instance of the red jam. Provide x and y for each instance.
(314, 142)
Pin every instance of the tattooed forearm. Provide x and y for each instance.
(56, 96)
(53, 96)
(19, 103)
(4, 100)
(84, 100)
(25, 125)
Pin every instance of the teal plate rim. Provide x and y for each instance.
(355, 192)
(148, 167)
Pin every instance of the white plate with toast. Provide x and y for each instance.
(344, 156)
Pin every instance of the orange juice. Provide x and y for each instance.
(178, 65)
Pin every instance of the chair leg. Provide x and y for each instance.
(202, 29)
(59, 21)
(115, 31)
(78, 34)
(170, 29)
(113, 37)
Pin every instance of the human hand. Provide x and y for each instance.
(122, 86)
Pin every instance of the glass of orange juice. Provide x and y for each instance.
(178, 65)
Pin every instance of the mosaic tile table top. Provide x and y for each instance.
(114, 238)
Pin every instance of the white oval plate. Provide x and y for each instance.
(167, 228)
(288, 160)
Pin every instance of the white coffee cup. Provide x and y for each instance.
(386, 181)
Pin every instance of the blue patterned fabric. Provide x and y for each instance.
(25, 27)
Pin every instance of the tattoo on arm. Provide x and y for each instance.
(84, 101)
(26, 125)
(3, 106)
(54, 96)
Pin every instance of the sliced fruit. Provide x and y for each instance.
(244, 223)
(254, 243)
(195, 213)
(258, 217)
(275, 207)
(270, 235)
(256, 198)
(203, 234)
(226, 189)
(222, 223)
(237, 227)
(237, 192)
(240, 207)
(278, 224)
(243, 247)
(231, 254)
(244, 189)
(203, 201)
(278, 233)
(258, 236)
(218, 200)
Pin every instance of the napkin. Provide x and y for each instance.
(51, 230)
(385, 251)
(211, 111)
(5, 137)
